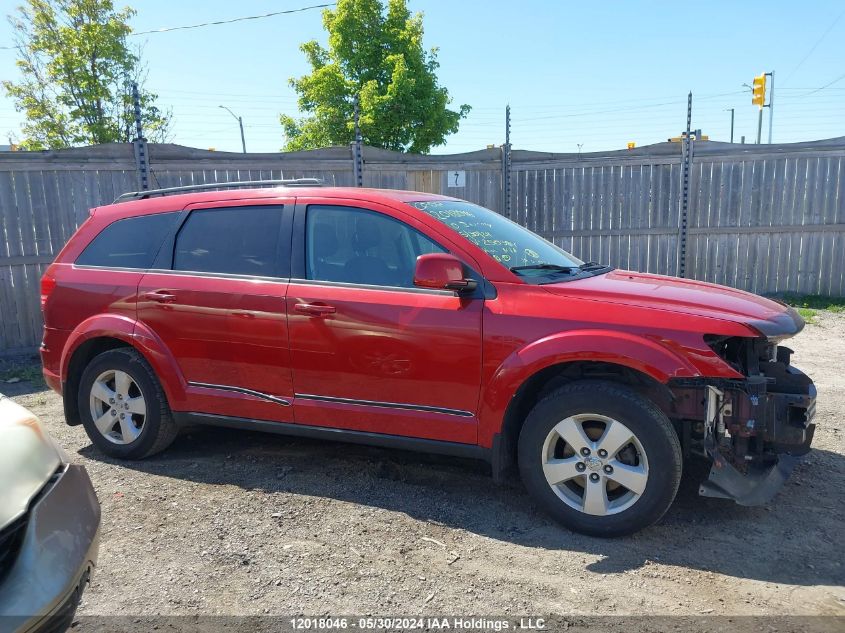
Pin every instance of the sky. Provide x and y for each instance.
(579, 76)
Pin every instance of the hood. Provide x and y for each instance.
(685, 296)
(28, 458)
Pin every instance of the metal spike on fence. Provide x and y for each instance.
(142, 160)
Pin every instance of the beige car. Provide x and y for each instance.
(49, 526)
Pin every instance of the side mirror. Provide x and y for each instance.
(441, 271)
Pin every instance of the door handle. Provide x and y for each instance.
(160, 296)
(315, 309)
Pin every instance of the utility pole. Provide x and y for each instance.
(771, 103)
(732, 124)
(139, 144)
(240, 123)
(357, 151)
(506, 165)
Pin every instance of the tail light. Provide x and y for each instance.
(48, 283)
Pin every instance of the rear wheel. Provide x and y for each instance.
(600, 458)
(123, 407)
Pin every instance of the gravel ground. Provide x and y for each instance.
(238, 523)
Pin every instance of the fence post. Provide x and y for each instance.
(687, 149)
(139, 144)
(506, 166)
(357, 153)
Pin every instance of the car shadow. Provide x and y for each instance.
(793, 540)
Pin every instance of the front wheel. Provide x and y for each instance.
(600, 458)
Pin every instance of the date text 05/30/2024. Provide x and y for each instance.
(445, 623)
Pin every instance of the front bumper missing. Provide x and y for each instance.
(755, 432)
(753, 488)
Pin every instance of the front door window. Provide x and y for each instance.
(356, 246)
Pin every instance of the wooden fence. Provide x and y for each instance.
(764, 218)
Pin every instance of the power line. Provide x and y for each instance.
(818, 41)
(556, 107)
(167, 29)
(642, 107)
(232, 20)
(224, 94)
(812, 92)
(242, 106)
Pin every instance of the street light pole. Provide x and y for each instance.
(240, 123)
(771, 103)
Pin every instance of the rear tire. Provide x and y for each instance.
(123, 407)
(600, 458)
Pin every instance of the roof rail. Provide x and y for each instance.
(151, 193)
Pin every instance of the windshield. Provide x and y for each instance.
(515, 247)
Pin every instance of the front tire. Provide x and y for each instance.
(600, 458)
(123, 407)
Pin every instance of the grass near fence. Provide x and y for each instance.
(23, 369)
(808, 305)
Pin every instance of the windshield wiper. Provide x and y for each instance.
(551, 267)
(592, 266)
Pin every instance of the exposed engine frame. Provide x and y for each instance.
(753, 429)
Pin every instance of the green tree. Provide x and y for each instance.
(76, 72)
(380, 57)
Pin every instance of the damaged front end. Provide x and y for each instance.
(754, 429)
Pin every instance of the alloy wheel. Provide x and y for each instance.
(595, 464)
(118, 408)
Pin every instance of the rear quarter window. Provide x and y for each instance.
(129, 243)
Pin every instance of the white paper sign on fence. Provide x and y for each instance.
(457, 178)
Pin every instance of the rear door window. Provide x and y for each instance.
(129, 243)
(231, 240)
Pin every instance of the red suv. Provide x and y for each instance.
(418, 321)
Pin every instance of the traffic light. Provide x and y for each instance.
(758, 90)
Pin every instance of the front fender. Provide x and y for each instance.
(620, 348)
(137, 335)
